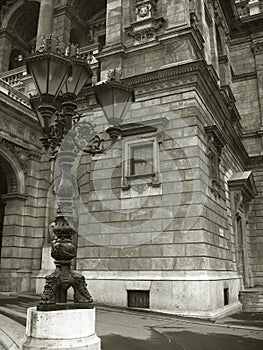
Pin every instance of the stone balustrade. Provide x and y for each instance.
(13, 93)
(14, 77)
(90, 52)
(247, 8)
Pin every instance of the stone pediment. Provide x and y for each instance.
(243, 182)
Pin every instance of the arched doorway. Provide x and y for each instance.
(18, 23)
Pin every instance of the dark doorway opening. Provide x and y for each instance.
(226, 296)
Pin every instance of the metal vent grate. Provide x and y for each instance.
(139, 299)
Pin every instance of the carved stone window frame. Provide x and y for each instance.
(134, 134)
(243, 190)
(152, 179)
(215, 143)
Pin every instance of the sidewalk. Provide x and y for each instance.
(122, 329)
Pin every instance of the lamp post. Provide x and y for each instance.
(54, 74)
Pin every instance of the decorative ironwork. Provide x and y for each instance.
(58, 283)
(65, 134)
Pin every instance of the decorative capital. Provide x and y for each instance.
(257, 48)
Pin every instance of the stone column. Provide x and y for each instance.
(5, 49)
(45, 21)
(258, 53)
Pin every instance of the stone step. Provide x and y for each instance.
(252, 309)
(252, 300)
(15, 315)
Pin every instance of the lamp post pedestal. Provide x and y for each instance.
(61, 330)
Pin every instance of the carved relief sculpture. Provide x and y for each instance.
(147, 23)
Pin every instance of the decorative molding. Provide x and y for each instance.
(195, 75)
(255, 162)
(16, 196)
(141, 183)
(18, 130)
(216, 142)
(23, 155)
(257, 47)
(215, 137)
(219, 16)
(147, 126)
(243, 182)
(244, 76)
(147, 23)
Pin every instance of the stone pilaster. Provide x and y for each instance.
(257, 48)
(5, 49)
(111, 57)
(62, 25)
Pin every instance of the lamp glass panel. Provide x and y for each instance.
(80, 75)
(58, 73)
(105, 100)
(85, 74)
(130, 100)
(121, 99)
(38, 69)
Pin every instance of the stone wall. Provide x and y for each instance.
(181, 232)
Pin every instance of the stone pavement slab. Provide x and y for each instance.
(11, 333)
(121, 329)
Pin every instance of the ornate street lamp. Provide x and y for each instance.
(114, 97)
(54, 74)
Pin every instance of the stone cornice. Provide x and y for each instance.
(255, 162)
(16, 110)
(34, 152)
(118, 49)
(244, 76)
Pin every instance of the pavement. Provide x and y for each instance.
(126, 329)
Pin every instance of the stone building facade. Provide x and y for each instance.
(170, 218)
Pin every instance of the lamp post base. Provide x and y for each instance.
(61, 330)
